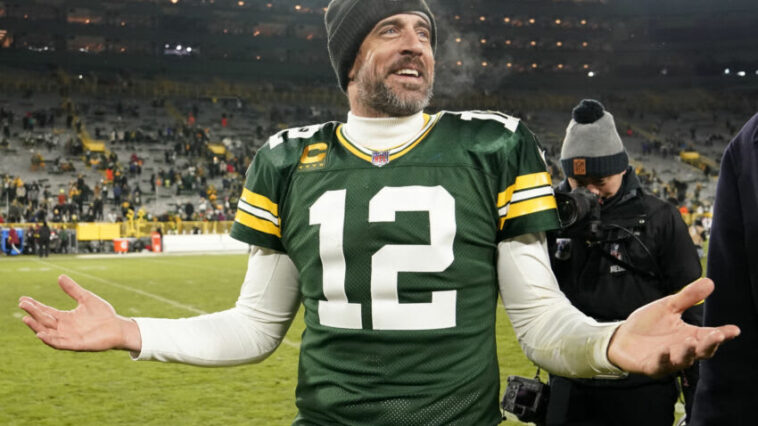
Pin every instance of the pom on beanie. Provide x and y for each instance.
(588, 111)
(348, 22)
(592, 146)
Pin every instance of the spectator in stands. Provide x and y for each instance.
(610, 273)
(727, 393)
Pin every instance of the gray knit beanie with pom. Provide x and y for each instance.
(592, 146)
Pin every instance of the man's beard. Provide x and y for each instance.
(381, 98)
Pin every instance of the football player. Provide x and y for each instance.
(396, 229)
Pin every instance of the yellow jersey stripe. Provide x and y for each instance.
(523, 182)
(528, 207)
(261, 225)
(260, 201)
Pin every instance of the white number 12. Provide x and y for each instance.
(387, 313)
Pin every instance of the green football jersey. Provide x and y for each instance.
(396, 253)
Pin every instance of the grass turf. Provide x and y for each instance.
(41, 386)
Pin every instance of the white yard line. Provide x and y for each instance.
(167, 301)
(164, 261)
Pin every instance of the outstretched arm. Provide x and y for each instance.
(554, 334)
(248, 332)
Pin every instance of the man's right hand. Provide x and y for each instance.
(92, 326)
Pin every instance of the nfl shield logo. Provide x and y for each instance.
(380, 158)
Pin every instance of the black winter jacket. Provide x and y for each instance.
(656, 252)
(659, 259)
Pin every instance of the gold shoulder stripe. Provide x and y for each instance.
(523, 182)
(258, 224)
(528, 207)
(260, 201)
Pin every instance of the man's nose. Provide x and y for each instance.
(593, 189)
(412, 43)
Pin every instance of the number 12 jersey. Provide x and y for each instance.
(396, 252)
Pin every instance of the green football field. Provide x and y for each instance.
(41, 386)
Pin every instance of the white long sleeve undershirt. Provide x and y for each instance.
(552, 333)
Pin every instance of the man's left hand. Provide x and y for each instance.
(655, 341)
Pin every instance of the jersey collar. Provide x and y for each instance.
(392, 153)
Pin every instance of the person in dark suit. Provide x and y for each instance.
(726, 393)
(44, 240)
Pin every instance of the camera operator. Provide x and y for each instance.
(619, 248)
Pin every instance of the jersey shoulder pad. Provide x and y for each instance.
(285, 147)
(488, 131)
(484, 119)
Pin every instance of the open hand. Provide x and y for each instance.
(92, 326)
(655, 341)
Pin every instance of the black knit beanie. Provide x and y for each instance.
(592, 146)
(348, 22)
